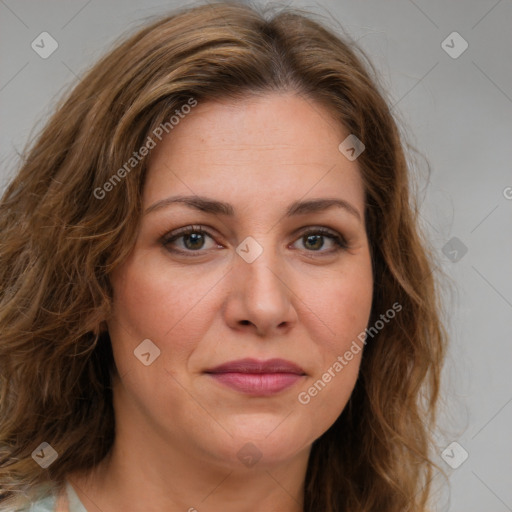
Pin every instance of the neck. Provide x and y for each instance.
(133, 480)
(146, 471)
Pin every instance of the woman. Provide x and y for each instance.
(215, 295)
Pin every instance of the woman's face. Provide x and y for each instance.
(262, 276)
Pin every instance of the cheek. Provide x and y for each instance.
(345, 307)
(150, 302)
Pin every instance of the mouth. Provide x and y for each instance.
(259, 378)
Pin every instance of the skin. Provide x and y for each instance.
(178, 430)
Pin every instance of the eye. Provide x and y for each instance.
(191, 238)
(194, 238)
(314, 240)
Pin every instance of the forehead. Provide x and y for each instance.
(260, 148)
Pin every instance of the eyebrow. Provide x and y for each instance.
(216, 207)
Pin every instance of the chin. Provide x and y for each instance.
(260, 442)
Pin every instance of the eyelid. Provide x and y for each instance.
(338, 238)
(170, 236)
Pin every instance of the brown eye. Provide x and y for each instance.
(189, 239)
(314, 241)
(193, 240)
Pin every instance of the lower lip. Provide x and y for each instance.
(261, 384)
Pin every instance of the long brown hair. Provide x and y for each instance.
(61, 241)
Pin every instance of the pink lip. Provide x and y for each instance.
(255, 377)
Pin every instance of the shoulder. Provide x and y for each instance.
(43, 505)
(48, 500)
(47, 504)
(41, 498)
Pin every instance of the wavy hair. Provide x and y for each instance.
(60, 243)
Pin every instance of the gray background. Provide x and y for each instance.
(456, 111)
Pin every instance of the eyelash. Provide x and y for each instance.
(168, 238)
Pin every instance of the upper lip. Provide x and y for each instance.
(258, 366)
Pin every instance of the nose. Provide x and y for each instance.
(260, 300)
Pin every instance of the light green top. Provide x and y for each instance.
(49, 503)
